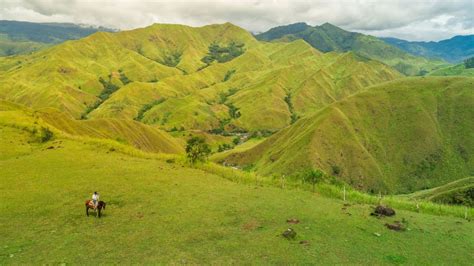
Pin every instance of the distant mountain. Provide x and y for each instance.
(452, 50)
(18, 37)
(328, 37)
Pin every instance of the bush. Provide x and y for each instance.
(336, 170)
(124, 79)
(236, 141)
(233, 111)
(197, 150)
(228, 75)
(42, 135)
(224, 147)
(145, 108)
(469, 63)
(109, 88)
(172, 59)
(223, 54)
(313, 176)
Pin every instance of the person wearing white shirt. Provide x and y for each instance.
(95, 199)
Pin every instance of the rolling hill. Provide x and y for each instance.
(453, 50)
(157, 75)
(399, 136)
(459, 192)
(175, 214)
(140, 136)
(19, 37)
(456, 70)
(219, 82)
(328, 37)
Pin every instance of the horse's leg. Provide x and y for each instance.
(99, 213)
(87, 210)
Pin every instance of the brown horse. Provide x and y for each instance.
(90, 205)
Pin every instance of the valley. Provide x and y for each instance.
(301, 127)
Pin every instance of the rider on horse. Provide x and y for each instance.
(95, 199)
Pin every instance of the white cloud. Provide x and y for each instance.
(414, 19)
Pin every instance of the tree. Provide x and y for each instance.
(469, 63)
(233, 111)
(314, 176)
(197, 149)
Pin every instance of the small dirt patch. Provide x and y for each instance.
(251, 225)
(396, 226)
(293, 221)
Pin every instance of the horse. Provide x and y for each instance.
(90, 205)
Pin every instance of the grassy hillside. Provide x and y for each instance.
(328, 38)
(143, 137)
(157, 75)
(456, 70)
(457, 192)
(399, 136)
(18, 37)
(166, 213)
(453, 50)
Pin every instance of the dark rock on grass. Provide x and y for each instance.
(293, 221)
(397, 226)
(383, 211)
(289, 233)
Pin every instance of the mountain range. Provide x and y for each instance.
(453, 50)
(344, 107)
(19, 37)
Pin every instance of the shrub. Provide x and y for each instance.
(223, 54)
(233, 111)
(197, 150)
(172, 59)
(145, 108)
(313, 176)
(236, 141)
(469, 63)
(124, 78)
(228, 75)
(109, 88)
(336, 170)
(42, 135)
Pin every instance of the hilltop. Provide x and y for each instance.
(328, 37)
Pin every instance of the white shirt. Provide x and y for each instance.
(95, 196)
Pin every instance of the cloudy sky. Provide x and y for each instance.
(408, 19)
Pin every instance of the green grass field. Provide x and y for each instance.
(161, 212)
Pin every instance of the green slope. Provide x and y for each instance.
(327, 37)
(143, 137)
(399, 136)
(456, 70)
(457, 192)
(155, 75)
(159, 212)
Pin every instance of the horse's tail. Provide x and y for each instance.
(104, 205)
